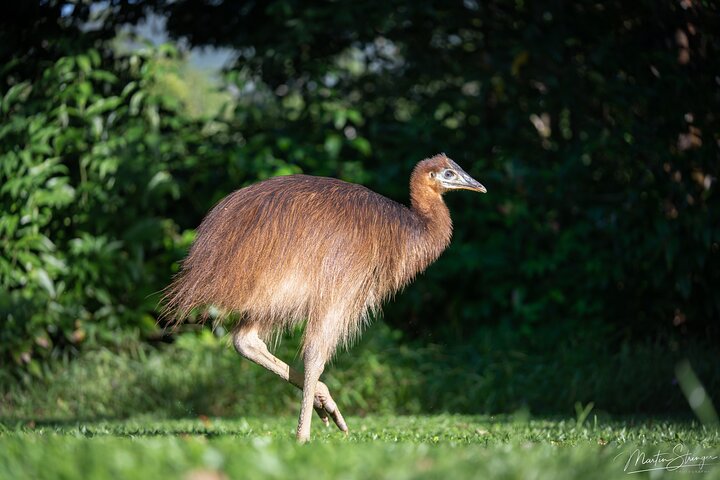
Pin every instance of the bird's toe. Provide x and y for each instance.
(326, 407)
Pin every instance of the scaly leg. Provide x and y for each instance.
(314, 366)
(250, 346)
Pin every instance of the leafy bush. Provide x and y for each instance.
(87, 191)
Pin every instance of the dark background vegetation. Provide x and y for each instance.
(586, 273)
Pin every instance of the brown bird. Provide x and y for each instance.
(318, 250)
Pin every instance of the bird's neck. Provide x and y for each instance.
(434, 226)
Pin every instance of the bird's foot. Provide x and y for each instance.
(326, 407)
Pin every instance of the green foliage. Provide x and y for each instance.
(591, 124)
(594, 127)
(87, 195)
(380, 447)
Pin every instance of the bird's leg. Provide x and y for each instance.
(314, 366)
(250, 346)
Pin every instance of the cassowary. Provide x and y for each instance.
(317, 250)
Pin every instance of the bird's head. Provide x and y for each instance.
(441, 174)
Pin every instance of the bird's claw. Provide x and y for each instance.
(326, 408)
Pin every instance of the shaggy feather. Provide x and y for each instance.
(298, 248)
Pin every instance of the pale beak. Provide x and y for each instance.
(469, 183)
(465, 181)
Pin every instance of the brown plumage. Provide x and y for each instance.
(317, 250)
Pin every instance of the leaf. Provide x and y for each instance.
(84, 63)
(102, 105)
(128, 88)
(136, 102)
(94, 56)
(362, 145)
(16, 93)
(160, 178)
(45, 281)
(333, 144)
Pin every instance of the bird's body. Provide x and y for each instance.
(302, 248)
(294, 248)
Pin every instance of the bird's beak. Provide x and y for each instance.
(466, 182)
(469, 183)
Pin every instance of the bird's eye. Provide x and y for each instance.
(448, 174)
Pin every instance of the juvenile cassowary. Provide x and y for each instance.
(318, 250)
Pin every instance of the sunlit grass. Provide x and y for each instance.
(195, 408)
(449, 446)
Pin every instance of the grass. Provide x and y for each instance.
(195, 411)
(441, 446)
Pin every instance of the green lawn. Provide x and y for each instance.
(443, 446)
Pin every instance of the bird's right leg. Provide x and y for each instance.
(314, 365)
(249, 345)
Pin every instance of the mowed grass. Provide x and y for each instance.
(441, 446)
